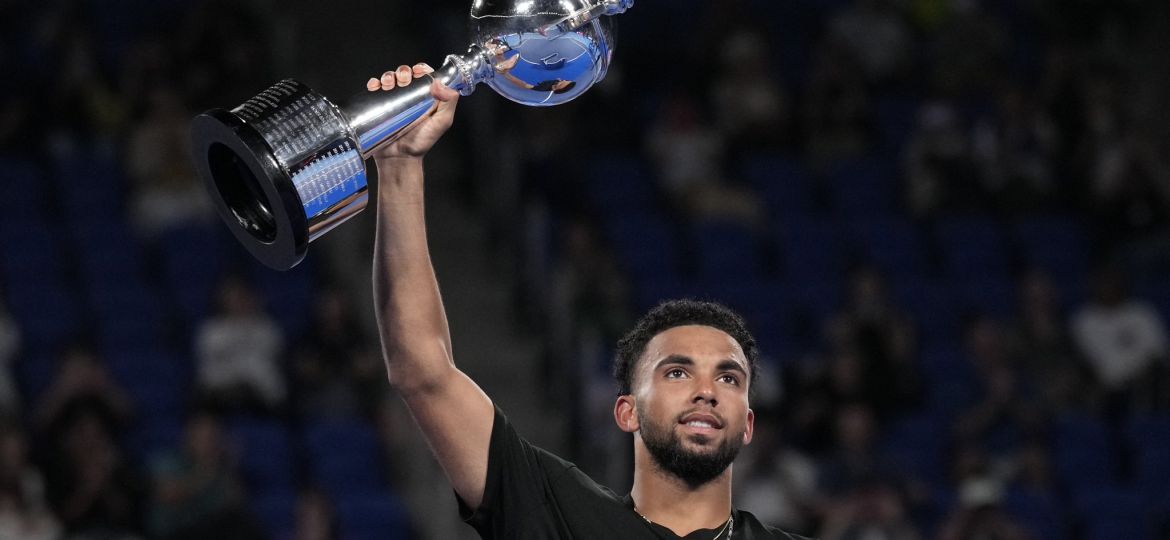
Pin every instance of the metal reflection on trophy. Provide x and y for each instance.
(288, 165)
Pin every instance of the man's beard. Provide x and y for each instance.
(694, 468)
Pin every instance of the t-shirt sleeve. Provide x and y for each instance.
(517, 485)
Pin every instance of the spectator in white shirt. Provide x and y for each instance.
(237, 354)
(1124, 342)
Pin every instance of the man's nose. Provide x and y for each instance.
(705, 391)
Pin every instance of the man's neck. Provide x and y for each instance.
(667, 500)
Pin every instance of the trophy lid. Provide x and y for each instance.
(536, 67)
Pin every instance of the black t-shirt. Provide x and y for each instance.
(531, 494)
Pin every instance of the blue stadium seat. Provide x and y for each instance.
(818, 299)
(158, 381)
(91, 185)
(345, 456)
(1058, 245)
(276, 511)
(973, 246)
(783, 183)
(1149, 436)
(26, 191)
(811, 249)
(727, 251)
(149, 437)
(647, 245)
(34, 371)
(930, 304)
(917, 444)
(893, 245)
(194, 259)
(375, 516)
(47, 312)
(30, 250)
(128, 314)
(289, 295)
(863, 187)
(951, 383)
(1041, 514)
(1084, 453)
(990, 294)
(1112, 512)
(897, 117)
(652, 290)
(620, 183)
(265, 452)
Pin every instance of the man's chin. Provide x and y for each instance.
(701, 444)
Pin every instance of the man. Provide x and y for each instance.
(685, 372)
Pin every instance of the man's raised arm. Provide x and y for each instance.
(453, 412)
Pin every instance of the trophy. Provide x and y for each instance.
(288, 165)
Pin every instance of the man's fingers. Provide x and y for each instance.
(403, 75)
(387, 81)
(399, 77)
(448, 99)
(442, 92)
(421, 69)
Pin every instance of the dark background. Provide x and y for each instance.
(945, 221)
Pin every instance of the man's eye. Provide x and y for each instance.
(730, 379)
(675, 373)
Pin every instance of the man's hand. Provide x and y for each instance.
(418, 139)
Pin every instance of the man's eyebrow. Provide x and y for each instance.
(731, 365)
(681, 360)
(675, 360)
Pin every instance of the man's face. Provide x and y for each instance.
(690, 393)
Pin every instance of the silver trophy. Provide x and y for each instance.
(288, 165)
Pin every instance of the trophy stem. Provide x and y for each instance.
(379, 118)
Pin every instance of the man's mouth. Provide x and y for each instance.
(702, 422)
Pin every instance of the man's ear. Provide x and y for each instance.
(751, 427)
(625, 413)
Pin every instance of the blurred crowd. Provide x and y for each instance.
(946, 222)
(849, 174)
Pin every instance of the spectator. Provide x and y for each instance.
(196, 491)
(1032, 470)
(940, 173)
(94, 490)
(316, 519)
(883, 339)
(979, 515)
(1124, 342)
(1015, 149)
(1040, 341)
(970, 47)
(876, 36)
(750, 104)
(777, 482)
(336, 371)
(237, 354)
(166, 193)
(10, 405)
(1004, 407)
(688, 159)
(873, 511)
(821, 395)
(837, 108)
(855, 460)
(23, 511)
(83, 385)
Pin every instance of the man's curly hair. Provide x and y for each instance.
(674, 313)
